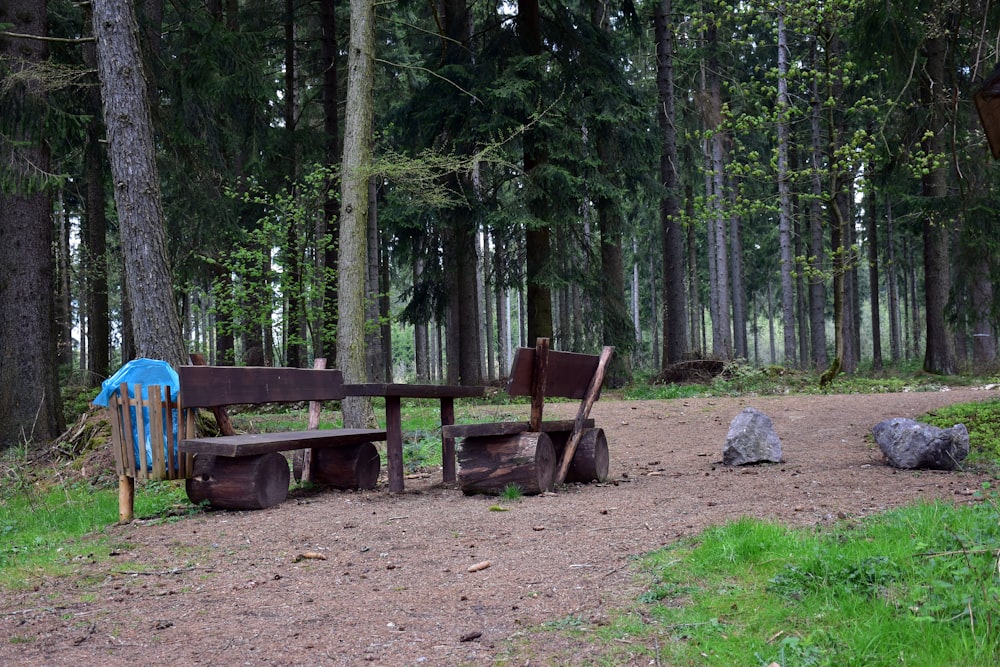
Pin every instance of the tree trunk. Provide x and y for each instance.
(873, 283)
(239, 483)
(675, 329)
(421, 340)
(329, 224)
(895, 332)
(984, 342)
(30, 408)
(64, 300)
(722, 345)
(155, 321)
(373, 334)
(538, 252)
(697, 333)
(785, 198)
(817, 249)
(357, 162)
(94, 237)
(737, 281)
(939, 357)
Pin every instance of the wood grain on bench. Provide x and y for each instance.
(248, 471)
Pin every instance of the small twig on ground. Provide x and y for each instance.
(159, 573)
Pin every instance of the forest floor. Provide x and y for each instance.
(337, 578)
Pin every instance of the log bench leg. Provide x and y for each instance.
(487, 464)
(239, 483)
(348, 467)
(591, 458)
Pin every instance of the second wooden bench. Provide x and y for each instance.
(538, 454)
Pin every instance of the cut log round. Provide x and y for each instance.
(591, 458)
(239, 483)
(487, 464)
(347, 467)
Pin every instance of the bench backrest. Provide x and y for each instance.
(568, 374)
(216, 386)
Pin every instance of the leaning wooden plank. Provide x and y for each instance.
(593, 391)
(509, 428)
(262, 443)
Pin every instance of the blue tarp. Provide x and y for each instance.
(143, 372)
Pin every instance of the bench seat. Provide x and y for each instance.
(251, 444)
(510, 428)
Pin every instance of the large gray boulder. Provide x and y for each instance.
(910, 444)
(751, 439)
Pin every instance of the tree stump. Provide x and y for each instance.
(487, 464)
(239, 483)
(591, 458)
(348, 467)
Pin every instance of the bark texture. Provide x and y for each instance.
(354, 209)
(30, 408)
(156, 324)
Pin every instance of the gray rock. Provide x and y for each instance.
(751, 439)
(910, 444)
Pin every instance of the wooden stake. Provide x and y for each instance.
(538, 383)
(584, 412)
(126, 498)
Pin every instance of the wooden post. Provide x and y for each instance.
(319, 363)
(126, 498)
(394, 443)
(588, 402)
(538, 377)
(447, 444)
(221, 416)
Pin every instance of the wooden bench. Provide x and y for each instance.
(248, 471)
(538, 454)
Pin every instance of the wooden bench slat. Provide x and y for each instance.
(216, 386)
(508, 428)
(251, 444)
(568, 373)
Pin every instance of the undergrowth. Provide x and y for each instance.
(983, 422)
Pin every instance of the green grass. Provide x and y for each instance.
(48, 529)
(916, 586)
(983, 421)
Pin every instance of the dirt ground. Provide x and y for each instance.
(335, 578)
